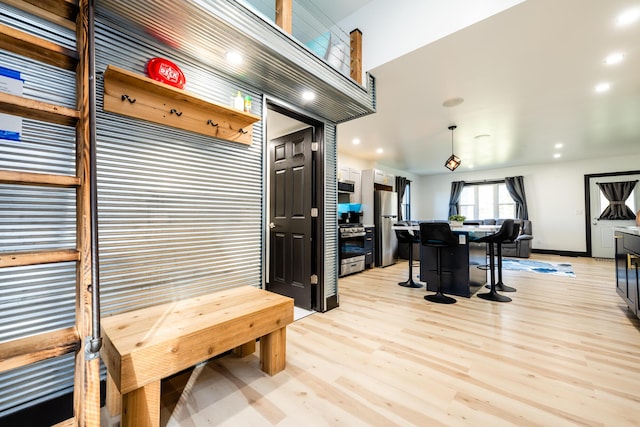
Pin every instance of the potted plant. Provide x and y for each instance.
(457, 220)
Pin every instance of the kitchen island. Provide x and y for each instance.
(464, 267)
(627, 257)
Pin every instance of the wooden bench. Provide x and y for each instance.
(144, 346)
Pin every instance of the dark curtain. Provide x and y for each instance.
(515, 186)
(454, 200)
(617, 193)
(401, 186)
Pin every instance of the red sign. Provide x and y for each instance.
(165, 71)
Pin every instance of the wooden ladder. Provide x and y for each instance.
(72, 14)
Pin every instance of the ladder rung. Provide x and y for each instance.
(33, 47)
(17, 259)
(37, 110)
(71, 422)
(25, 351)
(28, 178)
(61, 12)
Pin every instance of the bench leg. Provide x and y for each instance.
(273, 351)
(245, 349)
(141, 407)
(113, 399)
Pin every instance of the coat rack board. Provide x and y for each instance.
(138, 96)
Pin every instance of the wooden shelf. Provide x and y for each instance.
(138, 96)
(37, 110)
(33, 47)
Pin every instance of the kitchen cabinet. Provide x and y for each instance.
(355, 176)
(627, 258)
(369, 246)
(371, 180)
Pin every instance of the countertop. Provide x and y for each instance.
(631, 229)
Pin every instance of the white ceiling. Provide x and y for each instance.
(527, 76)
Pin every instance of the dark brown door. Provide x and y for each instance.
(290, 251)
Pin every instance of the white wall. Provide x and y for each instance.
(389, 31)
(555, 197)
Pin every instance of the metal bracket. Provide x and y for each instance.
(314, 279)
(92, 348)
(314, 212)
(314, 146)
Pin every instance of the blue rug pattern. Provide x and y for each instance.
(563, 269)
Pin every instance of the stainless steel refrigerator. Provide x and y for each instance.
(385, 215)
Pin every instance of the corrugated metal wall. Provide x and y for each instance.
(331, 213)
(39, 298)
(180, 214)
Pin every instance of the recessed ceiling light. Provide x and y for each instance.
(379, 151)
(557, 156)
(614, 58)
(308, 95)
(628, 17)
(234, 58)
(453, 102)
(356, 141)
(558, 145)
(470, 166)
(603, 87)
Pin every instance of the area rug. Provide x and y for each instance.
(563, 269)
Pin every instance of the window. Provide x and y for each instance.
(631, 201)
(406, 203)
(484, 201)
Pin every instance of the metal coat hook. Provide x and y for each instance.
(210, 122)
(244, 132)
(176, 112)
(131, 100)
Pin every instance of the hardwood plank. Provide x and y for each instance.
(15, 259)
(565, 352)
(36, 48)
(37, 110)
(27, 178)
(24, 351)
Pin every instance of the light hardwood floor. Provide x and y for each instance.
(565, 352)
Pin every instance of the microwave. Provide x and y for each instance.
(346, 186)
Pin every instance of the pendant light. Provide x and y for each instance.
(454, 161)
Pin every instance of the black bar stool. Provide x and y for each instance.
(514, 235)
(409, 237)
(438, 235)
(502, 235)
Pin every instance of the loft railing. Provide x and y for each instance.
(312, 27)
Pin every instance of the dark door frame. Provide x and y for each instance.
(318, 200)
(587, 201)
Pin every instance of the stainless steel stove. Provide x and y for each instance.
(351, 238)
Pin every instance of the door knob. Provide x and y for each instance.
(272, 225)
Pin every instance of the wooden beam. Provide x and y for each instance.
(17, 259)
(25, 351)
(46, 180)
(37, 110)
(356, 55)
(86, 391)
(284, 15)
(33, 47)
